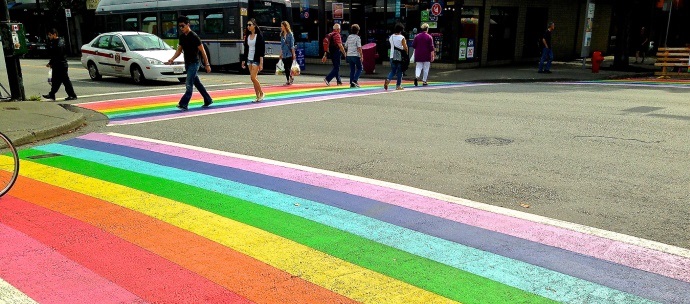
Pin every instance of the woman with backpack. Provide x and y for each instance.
(254, 51)
(398, 56)
(287, 50)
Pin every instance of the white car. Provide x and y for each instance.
(138, 55)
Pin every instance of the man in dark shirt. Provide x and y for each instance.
(546, 51)
(58, 62)
(191, 45)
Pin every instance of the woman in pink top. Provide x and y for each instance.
(423, 54)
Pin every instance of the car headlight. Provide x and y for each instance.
(154, 61)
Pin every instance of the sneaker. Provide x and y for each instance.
(71, 98)
(356, 85)
(261, 98)
(415, 82)
(339, 83)
(182, 108)
(400, 88)
(425, 84)
(328, 83)
(206, 105)
(352, 85)
(48, 96)
(385, 84)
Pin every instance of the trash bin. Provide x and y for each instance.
(370, 56)
(597, 59)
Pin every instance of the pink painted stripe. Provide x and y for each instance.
(145, 274)
(49, 277)
(642, 258)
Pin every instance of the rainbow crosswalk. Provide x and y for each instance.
(640, 82)
(115, 218)
(148, 109)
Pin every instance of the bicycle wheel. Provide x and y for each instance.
(9, 164)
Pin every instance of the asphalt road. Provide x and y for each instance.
(614, 158)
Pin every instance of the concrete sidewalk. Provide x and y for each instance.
(31, 121)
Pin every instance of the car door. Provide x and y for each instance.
(117, 47)
(103, 56)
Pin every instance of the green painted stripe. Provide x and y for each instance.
(424, 273)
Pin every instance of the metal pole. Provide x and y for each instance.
(668, 25)
(69, 44)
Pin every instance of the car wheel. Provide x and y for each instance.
(137, 75)
(182, 79)
(93, 71)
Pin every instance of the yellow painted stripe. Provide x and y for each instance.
(337, 275)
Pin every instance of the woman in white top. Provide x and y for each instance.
(397, 41)
(354, 55)
(254, 51)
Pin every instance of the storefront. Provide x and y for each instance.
(466, 33)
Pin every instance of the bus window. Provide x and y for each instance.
(266, 13)
(131, 23)
(149, 24)
(213, 22)
(169, 25)
(193, 20)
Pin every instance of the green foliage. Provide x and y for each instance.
(35, 98)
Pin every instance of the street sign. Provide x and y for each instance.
(436, 9)
(68, 13)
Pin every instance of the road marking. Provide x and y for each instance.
(155, 90)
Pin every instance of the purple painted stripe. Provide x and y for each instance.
(610, 250)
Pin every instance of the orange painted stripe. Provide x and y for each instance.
(242, 274)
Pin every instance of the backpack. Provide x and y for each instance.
(329, 43)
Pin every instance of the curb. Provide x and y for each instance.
(76, 121)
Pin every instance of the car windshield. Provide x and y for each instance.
(145, 43)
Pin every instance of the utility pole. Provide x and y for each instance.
(14, 69)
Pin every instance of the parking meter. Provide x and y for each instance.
(13, 38)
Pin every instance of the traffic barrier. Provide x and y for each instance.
(674, 62)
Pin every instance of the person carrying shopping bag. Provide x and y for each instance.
(287, 50)
(398, 54)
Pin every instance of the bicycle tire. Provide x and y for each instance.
(9, 164)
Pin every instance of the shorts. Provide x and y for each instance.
(252, 62)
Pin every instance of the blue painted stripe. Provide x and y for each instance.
(619, 277)
(521, 275)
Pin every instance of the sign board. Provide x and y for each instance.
(462, 49)
(470, 48)
(337, 11)
(432, 25)
(589, 23)
(436, 9)
(68, 13)
(425, 16)
(243, 11)
(92, 4)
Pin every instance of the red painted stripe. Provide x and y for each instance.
(49, 277)
(145, 274)
(106, 55)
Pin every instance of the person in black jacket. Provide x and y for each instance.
(58, 62)
(254, 51)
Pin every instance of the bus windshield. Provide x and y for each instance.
(267, 13)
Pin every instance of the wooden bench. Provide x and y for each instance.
(673, 58)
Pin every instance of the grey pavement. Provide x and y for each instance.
(27, 122)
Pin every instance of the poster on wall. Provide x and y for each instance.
(470, 48)
(462, 49)
(589, 22)
(337, 11)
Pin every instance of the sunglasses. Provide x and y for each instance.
(181, 25)
(249, 24)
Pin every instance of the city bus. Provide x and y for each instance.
(219, 23)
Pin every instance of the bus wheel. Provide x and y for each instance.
(137, 75)
(93, 71)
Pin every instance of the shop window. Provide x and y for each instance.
(502, 29)
(469, 33)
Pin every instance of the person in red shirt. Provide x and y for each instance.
(336, 50)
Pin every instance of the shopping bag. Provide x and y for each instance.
(412, 57)
(295, 70)
(50, 76)
(280, 68)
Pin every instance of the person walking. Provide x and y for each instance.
(642, 47)
(190, 44)
(287, 50)
(254, 52)
(424, 54)
(353, 44)
(335, 50)
(398, 52)
(546, 50)
(58, 62)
